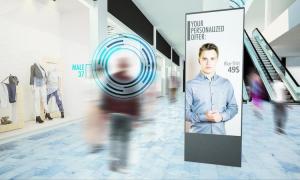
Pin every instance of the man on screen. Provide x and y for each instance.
(210, 100)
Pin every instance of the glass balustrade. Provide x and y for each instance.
(282, 71)
(255, 59)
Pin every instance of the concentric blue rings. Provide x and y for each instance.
(133, 44)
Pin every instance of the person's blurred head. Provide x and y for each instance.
(123, 64)
(208, 58)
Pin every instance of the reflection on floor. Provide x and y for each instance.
(156, 151)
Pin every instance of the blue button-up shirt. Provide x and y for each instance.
(203, 95)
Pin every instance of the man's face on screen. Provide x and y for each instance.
(208, 61)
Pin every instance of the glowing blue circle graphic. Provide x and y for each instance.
(117, 46)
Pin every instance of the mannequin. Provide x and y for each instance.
(54, 86)
(38, 78)
(8, 94)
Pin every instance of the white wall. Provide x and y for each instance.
(261, 13)
(255, 16)
(75, 50)
(209, 5)
(284, 23)
(277, 7)
(293, 65)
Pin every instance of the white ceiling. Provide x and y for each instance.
(168, 16)
(67, 5)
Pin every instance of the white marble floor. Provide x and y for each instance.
(156, 151)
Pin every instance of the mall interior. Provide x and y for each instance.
(64, 134)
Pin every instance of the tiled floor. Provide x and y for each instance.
(156, 151)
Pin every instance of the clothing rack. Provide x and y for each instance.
(5, 78)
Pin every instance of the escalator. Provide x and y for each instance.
(268, 66)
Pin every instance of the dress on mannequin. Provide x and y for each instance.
(38, 81)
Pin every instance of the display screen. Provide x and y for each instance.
(214, 72)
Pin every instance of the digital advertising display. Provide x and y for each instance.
(214, 73)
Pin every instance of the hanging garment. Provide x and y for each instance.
(12, 88)
(3, 96)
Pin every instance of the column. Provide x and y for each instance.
(98, 23)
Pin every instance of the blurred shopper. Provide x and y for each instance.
(256, 93)
(96, 129)
(122, 114)
(95, 126)
(173, 86)
(149, 101)
(280, 112)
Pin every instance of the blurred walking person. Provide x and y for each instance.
(256, 94)
(122, 114)
(173, 86)
(280, 112)
(95, 126)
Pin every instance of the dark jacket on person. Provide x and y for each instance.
(128, 106)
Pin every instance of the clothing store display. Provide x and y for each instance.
(4, 98)
(53, 79)
(38, 119)
(38, 80)
(57, 99)
(8, 95)
(13, 112)
(12, 89)
(37, 75)
(4, 120)
(13, 80)
(47, 116)
(40, 95)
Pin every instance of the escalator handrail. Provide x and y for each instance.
(264, 75)
(245, 92)
(257, 55)
(296, 83)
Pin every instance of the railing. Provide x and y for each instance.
(255, 59)
(236, 3)
(258, 57)
(245, 92)
(282, 71)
